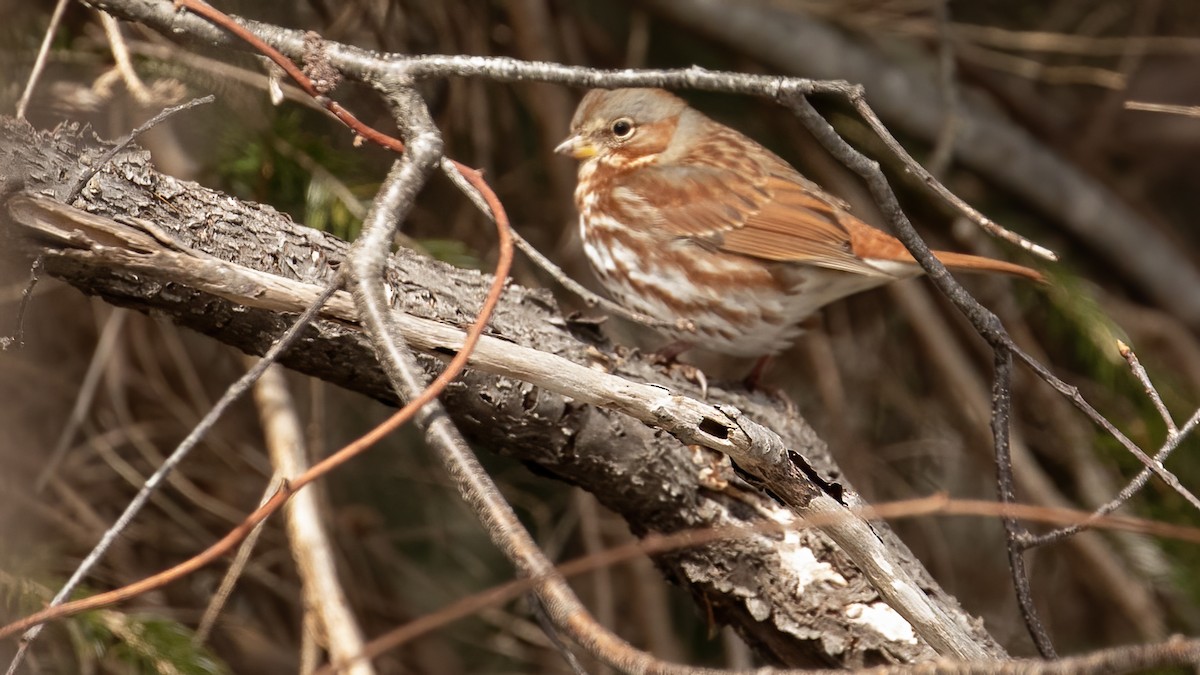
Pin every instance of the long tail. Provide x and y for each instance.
(973, 263)
(872, 244)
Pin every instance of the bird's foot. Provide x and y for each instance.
(667, 357)
(754, 382)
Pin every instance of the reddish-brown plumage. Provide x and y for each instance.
(685, 218)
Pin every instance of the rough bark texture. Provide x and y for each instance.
(796, 599)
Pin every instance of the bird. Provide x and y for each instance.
(687, 220)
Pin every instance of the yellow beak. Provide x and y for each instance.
(576, 147)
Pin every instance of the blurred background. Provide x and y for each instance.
(1019, 106)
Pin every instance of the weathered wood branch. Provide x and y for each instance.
(240, 272)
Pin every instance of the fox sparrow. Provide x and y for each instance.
(685, 218)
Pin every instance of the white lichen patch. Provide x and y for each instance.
(758, 609)
(805, 567)
(883, 620)
(781, 516)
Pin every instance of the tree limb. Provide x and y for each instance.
(252, 261)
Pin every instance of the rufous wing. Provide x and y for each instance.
(761, 216)
(773, 214)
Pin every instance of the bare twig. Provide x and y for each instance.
(1137, 483)
(1106, 111)
(18, 337)
(984, 321)
(1135, 366)
(229, 580)
(1185, 110)
(324, 598)
(1015, 532)
(124, 143)
(858, 99)
(943, 147)
(368, 259)
(43, 53)
(1048, 42)
(112, 30)
(1098, 565)
(592, 537)
(1038, 71)
(1071, 393)
(86, 394)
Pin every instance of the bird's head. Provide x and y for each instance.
(623, 128)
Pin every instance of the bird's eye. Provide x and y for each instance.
(622, 128)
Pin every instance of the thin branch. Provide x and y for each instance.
(1071, 393)
(1185, 110)
(1038, 71)
(85, 395)
(1135, 366)
(127, 140)
(18, 337)
(324, 598)
(986, 323)
(229, 580)
(1047, 42)
(112, 30)
(368, 259)
(1006, 488)
(1139, 481)
(40, 63)
(858, 100)
(943, 147)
